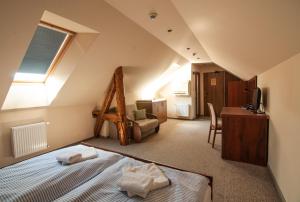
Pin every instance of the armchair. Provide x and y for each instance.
(142, 128)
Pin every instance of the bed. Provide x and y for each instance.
(42, 178)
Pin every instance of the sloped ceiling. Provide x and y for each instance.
(179, 39)
(245, 37)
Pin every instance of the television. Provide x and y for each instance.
(255, 102)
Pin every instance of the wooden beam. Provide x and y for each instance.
(105, 107)
(121, 109)
(119, 118)
(112, 117)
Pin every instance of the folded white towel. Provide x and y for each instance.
(77, 156)
(159, 180)
(136, 184)
(69, 157)
(88, 153)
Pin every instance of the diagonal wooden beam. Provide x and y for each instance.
(105, 107)
(116, 87)
(121, 109)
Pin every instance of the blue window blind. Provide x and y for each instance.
(42, 50)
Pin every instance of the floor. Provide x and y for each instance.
(183, 144)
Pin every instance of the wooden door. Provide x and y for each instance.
(214, 91)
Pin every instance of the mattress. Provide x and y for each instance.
(44, 179)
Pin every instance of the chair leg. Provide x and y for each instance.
(215, 132)
(209, 134)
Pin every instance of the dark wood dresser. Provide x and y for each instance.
(157, 107)
(244, 136)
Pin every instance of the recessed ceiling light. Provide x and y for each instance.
(170, 30)
(198, 58)
(153, 15)
(194, 54)
(188, 48)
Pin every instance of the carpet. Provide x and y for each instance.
(183, 144)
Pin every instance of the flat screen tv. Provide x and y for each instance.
(256, 99)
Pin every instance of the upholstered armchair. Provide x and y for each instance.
(142, 127)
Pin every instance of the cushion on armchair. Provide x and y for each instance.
(147, 124)
(130, 111)
(140, 114)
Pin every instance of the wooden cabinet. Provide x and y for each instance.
(239, 93)
(244, 136)
(156, 107)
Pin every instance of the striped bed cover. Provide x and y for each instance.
(44, 179)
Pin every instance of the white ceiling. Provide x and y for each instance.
(168, 18)
(245, 37)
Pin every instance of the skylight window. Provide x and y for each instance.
(45, 49)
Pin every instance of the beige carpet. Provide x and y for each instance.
(183, 144)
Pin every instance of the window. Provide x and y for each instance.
(45, 49)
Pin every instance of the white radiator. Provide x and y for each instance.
(27, 139)
(183, 110)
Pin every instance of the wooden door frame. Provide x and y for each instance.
(197, 92)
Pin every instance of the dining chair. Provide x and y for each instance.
(215, 125)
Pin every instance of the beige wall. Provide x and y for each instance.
(178, 77)
(202, 68)
(281, 92)
(67, 125)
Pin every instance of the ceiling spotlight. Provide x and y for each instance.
(170, 30)
(198, 58)
(194, 54)
(153, 15)
(188, 48)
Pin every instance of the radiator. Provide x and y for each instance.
(27, 139)
(183, 110)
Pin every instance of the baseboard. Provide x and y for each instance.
(180, 118)
(276, 185)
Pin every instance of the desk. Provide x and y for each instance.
(244, 136)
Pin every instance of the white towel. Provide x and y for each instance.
(69, 157)
(159, 180)
(77, 156)
(136, 184)
(88, 153)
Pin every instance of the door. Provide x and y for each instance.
(214, 91)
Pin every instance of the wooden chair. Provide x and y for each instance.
(214, 124)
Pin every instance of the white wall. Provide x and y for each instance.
(281, 91)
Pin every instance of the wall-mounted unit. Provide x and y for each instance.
(182, 88)
(183, 110)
